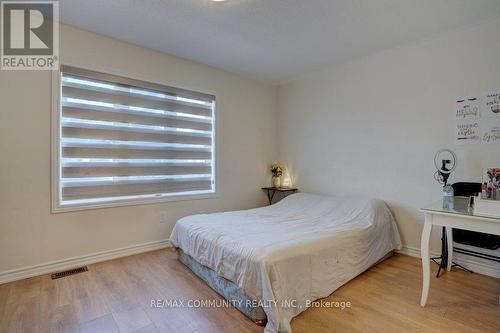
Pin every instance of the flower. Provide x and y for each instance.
(277, 169)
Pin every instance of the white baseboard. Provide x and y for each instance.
(58, 265)
(490, 268)
(413, 251)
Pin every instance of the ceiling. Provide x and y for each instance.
(274, 40)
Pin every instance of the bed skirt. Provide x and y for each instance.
(229, 290)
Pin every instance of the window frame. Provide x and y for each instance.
(56, 151)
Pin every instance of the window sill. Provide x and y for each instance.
(131, 202)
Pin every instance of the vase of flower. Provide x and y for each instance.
(277, 170)
(276, 181)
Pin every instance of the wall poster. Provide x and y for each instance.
(491, 118)
(477, 120)
(467, 116)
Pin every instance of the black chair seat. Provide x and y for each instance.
(473, 238)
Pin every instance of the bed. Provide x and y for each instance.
(284, 256)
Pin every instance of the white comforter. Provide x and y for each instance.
(300, 249)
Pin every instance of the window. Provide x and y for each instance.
(120, 141)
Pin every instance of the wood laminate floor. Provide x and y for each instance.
(115, 296)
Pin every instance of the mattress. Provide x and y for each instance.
(293, 252)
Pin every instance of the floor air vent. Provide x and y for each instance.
(69, 272)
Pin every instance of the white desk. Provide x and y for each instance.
(459, 218)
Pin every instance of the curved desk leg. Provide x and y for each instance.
(424, 248)
(449, 239)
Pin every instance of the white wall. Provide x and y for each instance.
(30, 234)
(372, 126)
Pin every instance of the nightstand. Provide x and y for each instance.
(271, 191)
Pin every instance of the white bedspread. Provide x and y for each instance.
(301, 248)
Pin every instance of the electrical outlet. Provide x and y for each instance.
(163, 217)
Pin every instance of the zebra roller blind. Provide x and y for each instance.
(127, 140)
